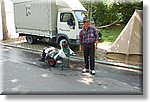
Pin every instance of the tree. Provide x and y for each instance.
(4, 25)
(90, 10)
(106, 13)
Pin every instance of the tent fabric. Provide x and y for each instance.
(130, 39)
(128, 46)
(128, 59)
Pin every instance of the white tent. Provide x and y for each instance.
(128, 46)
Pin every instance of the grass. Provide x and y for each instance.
(110, 34)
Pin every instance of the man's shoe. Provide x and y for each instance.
(92, 72)
(84, 70)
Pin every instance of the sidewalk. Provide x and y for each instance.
(100, 52)
(22, 43)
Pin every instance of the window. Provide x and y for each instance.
(65, 17)
(80, 15)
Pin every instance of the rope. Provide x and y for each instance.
(109, 24)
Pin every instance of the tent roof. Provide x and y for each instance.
(130, 39)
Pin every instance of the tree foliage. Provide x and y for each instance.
(106, 13)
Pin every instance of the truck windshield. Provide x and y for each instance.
(80, 15)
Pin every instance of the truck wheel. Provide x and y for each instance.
(52, 62)
(31, 39)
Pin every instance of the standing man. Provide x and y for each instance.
(88, 43)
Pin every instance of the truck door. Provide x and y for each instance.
(66, 24)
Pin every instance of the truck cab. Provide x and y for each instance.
(69, 24)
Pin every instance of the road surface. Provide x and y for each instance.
(22, 73)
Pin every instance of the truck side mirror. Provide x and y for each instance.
(71, 23)
(68, 23)
(73, 27)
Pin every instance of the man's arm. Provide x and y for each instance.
(96, 43)
(81, 47)
(96, 38)
(81, 41)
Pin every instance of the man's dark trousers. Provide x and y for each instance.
(89, 55)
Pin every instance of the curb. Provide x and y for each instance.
(79, 58)
(114, 64)
(20, 47)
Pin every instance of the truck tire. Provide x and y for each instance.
(31, 39)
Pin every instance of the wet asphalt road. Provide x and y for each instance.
(22, 73)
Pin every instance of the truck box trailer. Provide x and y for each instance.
(49, 20)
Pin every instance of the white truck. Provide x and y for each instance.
(49, 20)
